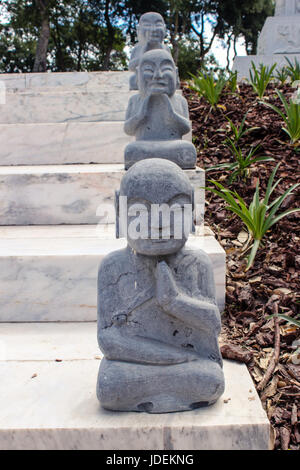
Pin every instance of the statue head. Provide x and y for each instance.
(155, 207)
(157, 73)
(151, 28)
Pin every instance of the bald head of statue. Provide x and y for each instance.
(159, 207)
(157, 73)
(151, 28)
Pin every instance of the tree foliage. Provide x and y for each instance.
(65, 35)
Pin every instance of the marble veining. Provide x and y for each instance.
(48, 273)
(70, 194)
(56, 410)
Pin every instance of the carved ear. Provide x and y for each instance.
(193, 211)
(177, 79)
(117, 209)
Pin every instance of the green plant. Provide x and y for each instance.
(261, 215)
(291, 117)
(293, 70)
(207, 86)
(239, 132)
(240, 168)
(232, 81)
(260, 78)
(282, 75)
(293, 321)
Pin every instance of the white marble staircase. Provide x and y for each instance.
(61, 157)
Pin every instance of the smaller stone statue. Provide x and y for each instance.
(158, 322)
(151, 32)
(157, 116)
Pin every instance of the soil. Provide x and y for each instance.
(270, 347)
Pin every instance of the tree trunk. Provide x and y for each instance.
(40, 61)
(111, 37)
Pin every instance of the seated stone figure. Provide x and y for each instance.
(151, 31)
(157, 116)
(158, 322)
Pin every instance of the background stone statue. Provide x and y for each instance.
(151, 31)
(287, 7)
(158, 322)
(157, 116)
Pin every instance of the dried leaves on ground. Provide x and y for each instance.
(270, 347)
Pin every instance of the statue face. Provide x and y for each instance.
(155, 206)
(158, 229)
(157, 73)
(151, 28)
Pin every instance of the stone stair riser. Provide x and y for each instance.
(62, 285)
(61, 81)
(69, 194)
(63, 143)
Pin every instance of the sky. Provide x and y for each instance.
(220, 52)
(218, 48)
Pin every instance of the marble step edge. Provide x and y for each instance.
(50, 273)
(242, 64)
(91, 106)
(46, 405)
(15, 232)
(64, 143)
(69, 194)
(61, 80)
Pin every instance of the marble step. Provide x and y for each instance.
(49, 401)
(69, 194)
(66, 106)
(242, 64)
(64, 143)
(49, 273)
(62, 81)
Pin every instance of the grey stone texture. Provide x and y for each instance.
(157, 116)
(158, 322)
(287, 7)
(279, 38)
(150, 32)
(280, 35)
(243, 63)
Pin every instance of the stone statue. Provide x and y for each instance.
(151, 32)
(158, 322)
(287, 7)
(157, 116)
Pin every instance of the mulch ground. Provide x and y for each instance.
(270, 347)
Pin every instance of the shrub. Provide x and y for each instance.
(260, 78)
(261, 215)
(291, 117)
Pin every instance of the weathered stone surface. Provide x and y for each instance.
(287, 7)
(151, 31)
(158, 322)
(280, 35)
(279, 38)
(157, 116)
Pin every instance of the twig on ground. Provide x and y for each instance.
(275, 358)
